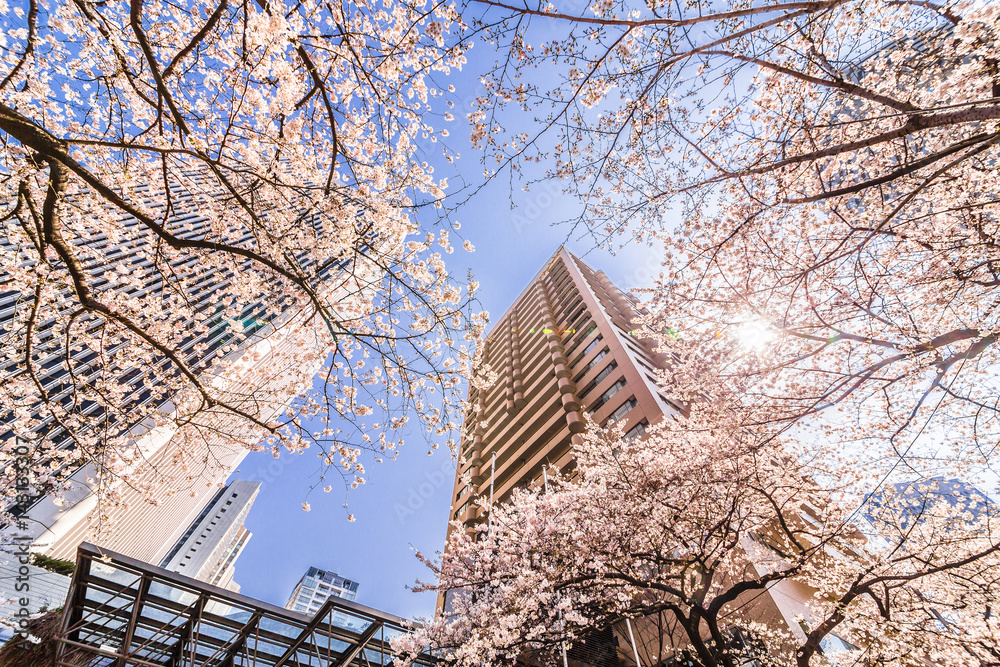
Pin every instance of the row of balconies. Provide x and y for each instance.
(532, 421)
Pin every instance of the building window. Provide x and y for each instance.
(607, 395)
(636, 432)
(606, 372)
(603, 353)
(583, 337)
(622, 410)
(583, 354)
(600, 378)
(577, 315)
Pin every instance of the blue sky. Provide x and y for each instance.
(404, 504)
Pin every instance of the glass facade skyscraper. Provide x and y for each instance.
(174, 470)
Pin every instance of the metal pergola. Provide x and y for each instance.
(123, 612)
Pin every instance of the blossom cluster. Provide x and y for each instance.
(203, 206)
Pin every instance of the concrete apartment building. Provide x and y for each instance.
(209, 548)
(565, 348)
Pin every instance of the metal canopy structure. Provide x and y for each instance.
(123, 612)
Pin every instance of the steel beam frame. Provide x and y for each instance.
(218, 624)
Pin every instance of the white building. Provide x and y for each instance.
(316, 587)
(208, 550)
(179, 469)
(174, 469)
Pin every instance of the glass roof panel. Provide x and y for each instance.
(134, 614)
(282, 628)
(172, 593)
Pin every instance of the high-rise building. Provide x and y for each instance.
(891, 512)
(215, 539)
(316, 586)
(906, 502)
(177, 476)
(563, 348)
(177, 469)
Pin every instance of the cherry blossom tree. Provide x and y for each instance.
(204, 204)
(709, 542)
(821, 178)
(828, 299)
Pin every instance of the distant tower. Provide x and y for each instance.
(215, 539)
(316, 586)
(895, 508)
